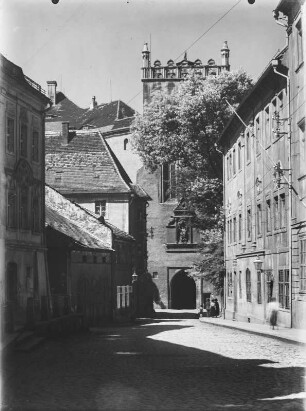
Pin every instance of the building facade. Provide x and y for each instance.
(264, 187)
(256, 204)
(24, 285)
(172, 240)
(90, 263)
(292, 16)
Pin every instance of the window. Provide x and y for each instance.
(155, 275)
(259, 219)
(267, 126)
(268, 216)
(282, 216)
(23, 140)
(35, 211)
(274, 115)
(24, 209)
(234, 162)
(100, 208)
(239, 227)
(276, 213)
(303, 265)
(234, 229)
(125, 143)
(257, 135)
(259, 299)
(231, 231)
(84, 258)
(239, 156)
(240, 284)
(228, 232)
(229, 284)
(10, 135)
(248, 147)
(12, 209)
(283, 288)
(299, 42)
(168, 181)
(248, 285)
(230, 165)
(35, 148)
(94, 259)
(249, 223)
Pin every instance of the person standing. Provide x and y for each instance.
(272, 312)
(212, 308)
(207, 307)
(217, 307)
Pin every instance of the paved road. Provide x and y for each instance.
(161, 365)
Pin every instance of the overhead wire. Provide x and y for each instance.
(198, 39)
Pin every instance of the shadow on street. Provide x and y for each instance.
(124, 368)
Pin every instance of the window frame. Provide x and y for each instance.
(10, 140)
(249, 223)
(248, 285)
(100, 206)
(302, 265)
(259, 219)
(259, 288)
(284, 289)
(268, 216)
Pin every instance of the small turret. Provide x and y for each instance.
(145, 56)
(225, 55)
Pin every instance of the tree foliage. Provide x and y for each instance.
(185, 127)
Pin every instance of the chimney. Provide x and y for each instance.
(93, 103)
(52, 91)
(65, 133)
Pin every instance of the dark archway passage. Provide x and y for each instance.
(183, 291)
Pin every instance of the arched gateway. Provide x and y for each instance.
(182, 291)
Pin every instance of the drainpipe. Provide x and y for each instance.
(275, 64)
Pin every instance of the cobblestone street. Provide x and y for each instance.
(159, 365)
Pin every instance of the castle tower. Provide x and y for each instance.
(225, 56)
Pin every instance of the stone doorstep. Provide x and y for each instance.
(284, 334)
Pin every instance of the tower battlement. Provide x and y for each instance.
(178, 71)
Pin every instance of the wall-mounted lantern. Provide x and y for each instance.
(258, 264)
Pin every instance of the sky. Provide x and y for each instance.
(93, 47)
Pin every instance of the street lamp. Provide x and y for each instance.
(258, 264)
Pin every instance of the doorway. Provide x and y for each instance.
(183, 291)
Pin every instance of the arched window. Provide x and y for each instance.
(125, 143)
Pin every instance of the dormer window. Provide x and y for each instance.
(100, 208)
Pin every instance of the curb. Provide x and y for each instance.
(261, 333)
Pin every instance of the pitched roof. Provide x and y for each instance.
(113, 115)
(75, 222)
(64, 110)
(85, 165)
(107, 114)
